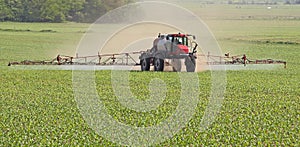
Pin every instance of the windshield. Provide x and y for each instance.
(179, 40)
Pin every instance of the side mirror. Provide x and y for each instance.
(194, 37)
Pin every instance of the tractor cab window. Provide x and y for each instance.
(179, 40)
(182, 40)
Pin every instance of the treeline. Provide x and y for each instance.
(292, 2)
(263, 2)
(56, 10)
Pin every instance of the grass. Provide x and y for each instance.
(261, 108)
(38, 43)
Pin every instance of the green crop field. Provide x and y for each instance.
(260, 108)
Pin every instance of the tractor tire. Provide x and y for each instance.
(176, 65)
(145, 64)
(190, 63)
(159, 64)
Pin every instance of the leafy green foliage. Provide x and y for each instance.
(56, 10)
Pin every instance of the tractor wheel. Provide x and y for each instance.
(159, 64)
(190, 63)
(145, 64)
(176, 64)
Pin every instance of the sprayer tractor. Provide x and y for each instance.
(167, 50)
(170, 50)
